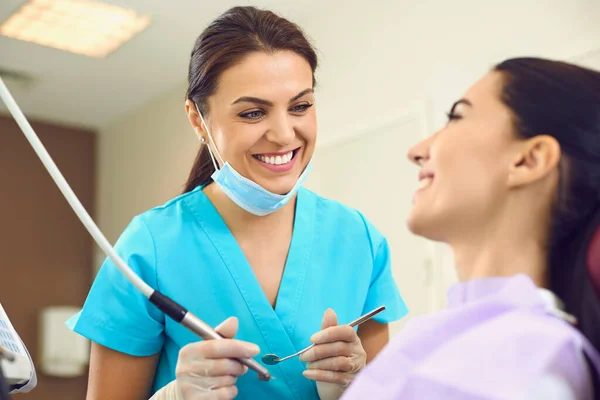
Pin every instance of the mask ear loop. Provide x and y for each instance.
(210, 153)
(210, 140)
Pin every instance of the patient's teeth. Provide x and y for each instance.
(425, 182)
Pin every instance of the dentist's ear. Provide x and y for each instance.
(191, 110)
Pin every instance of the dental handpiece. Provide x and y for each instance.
(201, 328)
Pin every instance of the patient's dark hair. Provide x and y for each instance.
(234, 35)
(563, 100)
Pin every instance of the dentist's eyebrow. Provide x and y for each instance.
(302, 93)
(256, 100)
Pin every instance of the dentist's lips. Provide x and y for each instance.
(278, 162)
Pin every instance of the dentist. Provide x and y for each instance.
(245, 239)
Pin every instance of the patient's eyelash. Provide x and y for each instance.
(452, 116)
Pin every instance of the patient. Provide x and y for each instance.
(512, 184)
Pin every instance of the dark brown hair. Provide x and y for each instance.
(226, 41)
(563, 100)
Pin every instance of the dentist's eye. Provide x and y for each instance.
(254, 115)
(301, 108)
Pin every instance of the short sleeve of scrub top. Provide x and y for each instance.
(383, 289)
(118, 316)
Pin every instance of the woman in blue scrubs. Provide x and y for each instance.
(244, 240)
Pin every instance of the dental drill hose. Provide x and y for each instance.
(164, 303)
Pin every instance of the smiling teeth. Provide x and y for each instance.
(425, 182)
(277, 160)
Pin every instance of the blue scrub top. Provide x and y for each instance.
(337, 260)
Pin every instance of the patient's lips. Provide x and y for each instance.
(425, 178)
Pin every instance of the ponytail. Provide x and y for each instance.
(201, 172)
(574, 279)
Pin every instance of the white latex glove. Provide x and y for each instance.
(336, 357)
(205, 370)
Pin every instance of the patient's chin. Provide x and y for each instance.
(423, 226)
(416, 225)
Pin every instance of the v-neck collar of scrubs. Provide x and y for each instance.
(276, 324)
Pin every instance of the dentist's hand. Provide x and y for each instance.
(205, 370)
(335, 359)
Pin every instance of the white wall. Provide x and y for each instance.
(382, 56)
(143, 161)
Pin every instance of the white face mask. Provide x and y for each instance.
(244, 192)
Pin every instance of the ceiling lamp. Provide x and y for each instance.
(84, 27)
